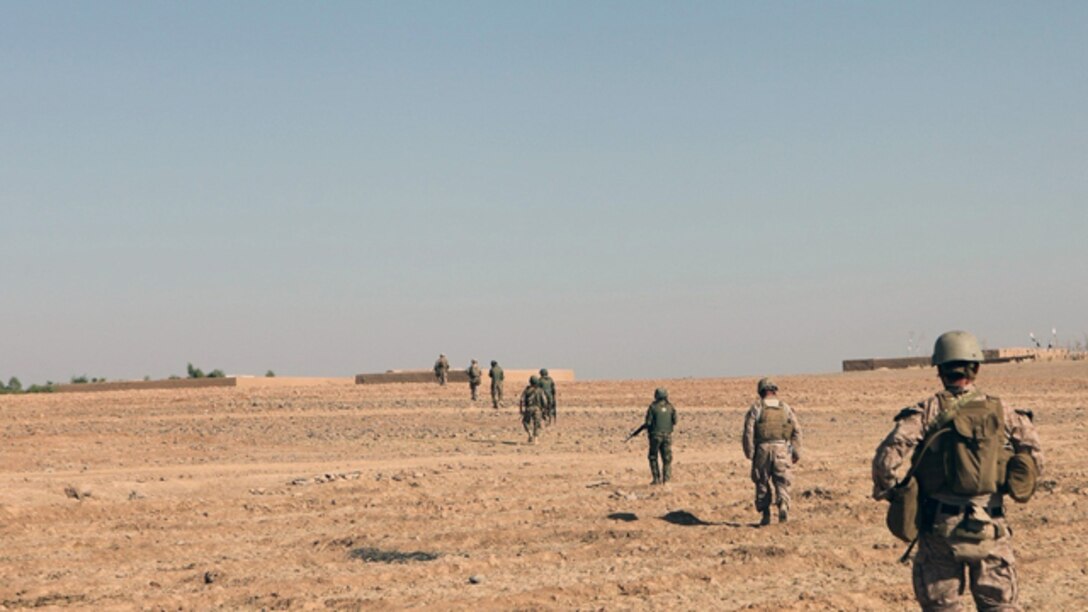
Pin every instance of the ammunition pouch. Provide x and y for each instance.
(903, 518)
(1021, 475)
(974, 536)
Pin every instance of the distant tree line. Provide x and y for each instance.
(14, 385)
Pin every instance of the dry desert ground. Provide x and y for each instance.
(410, 496)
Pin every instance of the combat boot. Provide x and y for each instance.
(655, 471)
(783, 514)
(766, 520)
(666, 475)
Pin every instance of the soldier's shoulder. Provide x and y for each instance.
(1027, 413)
(910, 411)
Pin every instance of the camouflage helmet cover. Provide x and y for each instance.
(534, 380)
(956, 346)
(764, 385)
(543, 371)
(661, 393)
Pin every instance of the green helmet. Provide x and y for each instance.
(764, 385)
(661, 393)
(956, 346)
(543, 371)
(534, 381)
(494, 363)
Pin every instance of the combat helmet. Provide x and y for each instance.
(661, 393)
(956, 346)
(534, 380)
(766, 385)
(494, 363)
(543, 371)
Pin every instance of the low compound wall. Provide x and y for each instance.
(249, 382)
(458, 376)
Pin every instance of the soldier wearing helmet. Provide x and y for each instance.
(772, 441)
(441, 369)
(967, 452)
(496, 375)
(532, 403)
(475, 376)
(660, 421)
(548, 385)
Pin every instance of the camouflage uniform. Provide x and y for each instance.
(661, 418)
(547, 384)
(938, 573)
(772, 459)
(475, 376)
(532, 403)
(441, 369)
(496, 375)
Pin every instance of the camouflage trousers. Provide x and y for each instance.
(661, 444)
(472, 387)
(441, 376)
(496, 395)
(772, 469)
(530, 420)
(940, 579)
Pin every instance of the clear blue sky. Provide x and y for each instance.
(629, 189)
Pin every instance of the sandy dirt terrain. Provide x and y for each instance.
(410, 496)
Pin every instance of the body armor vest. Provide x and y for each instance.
(774, 424)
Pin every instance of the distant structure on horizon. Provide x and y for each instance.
(1000, 355)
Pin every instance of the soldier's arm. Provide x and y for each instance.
(650, 417)
(795, 439)
(748, 440)
(1020, 426)
(908, 432)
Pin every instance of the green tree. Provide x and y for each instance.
(194, 372)
(14, 385)
(270, 374)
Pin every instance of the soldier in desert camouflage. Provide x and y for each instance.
(967, 452)
(533, 402)
(661, 419)
(548, 385)
(772, 441)
(475, 376)
(496, 375)
(441, 369)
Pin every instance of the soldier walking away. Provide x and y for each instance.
(660, 421)
(548, 385)
(532, 404)
(967, 452)
(772, 441)
(496, 375)
(475, 376)
(441, 369)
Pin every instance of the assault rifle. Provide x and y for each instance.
(636, 432)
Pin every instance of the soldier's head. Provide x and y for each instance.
(474, 361)
(534, 380)
(660, 394)
(494, 363)
(543, 371)
(766, 387)
(957, 356)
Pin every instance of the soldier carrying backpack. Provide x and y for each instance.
(967, 452)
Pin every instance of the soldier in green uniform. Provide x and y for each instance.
(967, 452)
(772, 441)
(533, 401)
(660, 421)
(441, 369)
(548, 385)
(475, 376)
(496, 375)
